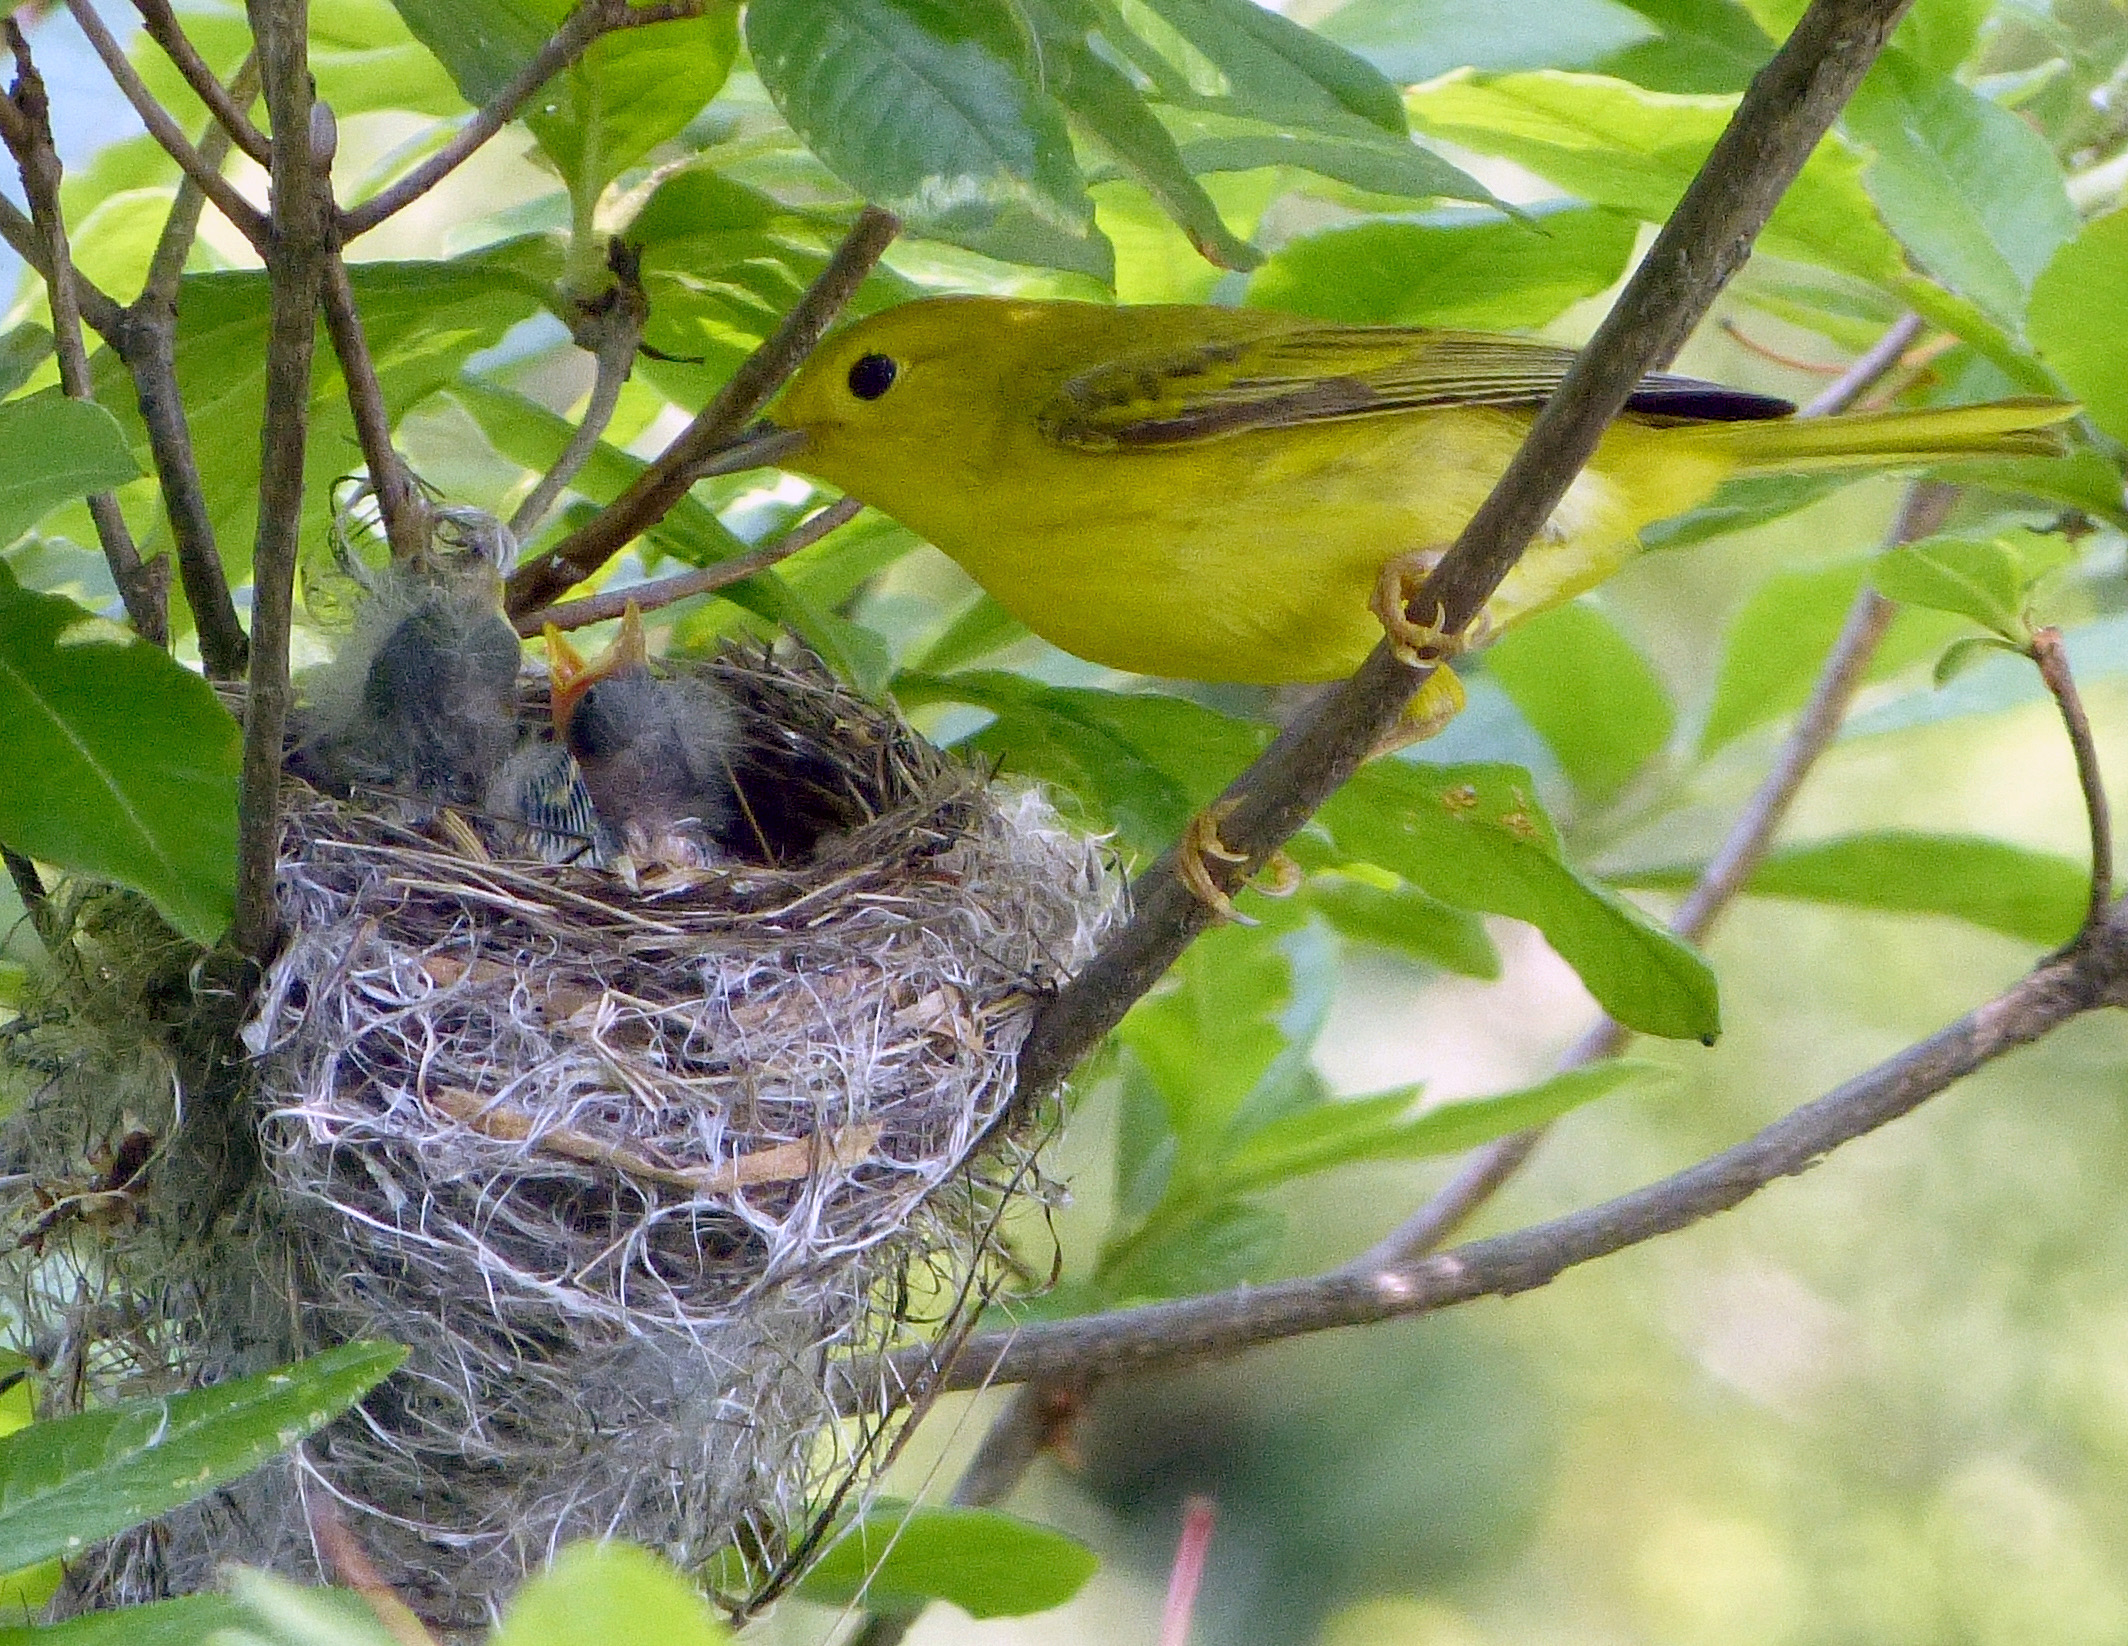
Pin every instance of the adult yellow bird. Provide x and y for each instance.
(1238, 495)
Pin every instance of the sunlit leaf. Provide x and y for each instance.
(57, 450)
(2078, 320)
(595, 1594)
(1616, 145)
(122, 764)
(1589, 692)
(2037, 896)
(67, 1482)
(1449, 268)
(899, 1558)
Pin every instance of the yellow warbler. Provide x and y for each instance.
(1224, 494)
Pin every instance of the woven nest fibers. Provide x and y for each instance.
(646, 1177)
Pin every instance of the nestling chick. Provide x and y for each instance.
(421, 700)
(655, 753)
(541, 789)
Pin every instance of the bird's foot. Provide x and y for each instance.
(1200, 842)
(1418, 645)
(1428, 713)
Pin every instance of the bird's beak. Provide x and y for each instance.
(763, 446)
(569, 676)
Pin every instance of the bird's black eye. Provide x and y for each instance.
(873, 375)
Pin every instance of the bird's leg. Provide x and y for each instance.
(1200, 840)
(1422, 646)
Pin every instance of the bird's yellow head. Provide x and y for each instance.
(917, 386)
(569, 676)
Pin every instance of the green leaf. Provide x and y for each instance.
(1705, 46)
(280, 1613)
(1105, 102)
(22, 350)
(1776, 643)
(1413, 40)
(1750, 500)
(1401, 169)
(1385, 1127)
(1278, 72)
(185, 1622)
(123, 764)
(481, 43)
(2078, 319)
(1449, 268)
(2037, 896)
(1141, 764)
(57, 450)
(1474, 836)
(1984, 578)
(1973, 192)
(931, 110)
(68, 1482)
(2096, 651)
(1588, 691)
(1404, 920)
(634, 89)
(985, 627)
(1221, 1244)
(1615, 145)
(595, 1594)
(1210, 1033)
(1970, 652)
(895, 1558)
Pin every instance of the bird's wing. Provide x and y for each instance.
(1321, 374)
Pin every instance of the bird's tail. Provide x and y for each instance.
(2001, 428)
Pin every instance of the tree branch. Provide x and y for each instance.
(94, 305)
(610, 326)
(1790, 104)
(404, 510)
(296, 255)
(584, 25)
(653, 492)
(2061, 686)
(26, 127)
(1128, 1340)
(663, 591)
(145, 338)
(249, 220)
(226, 107)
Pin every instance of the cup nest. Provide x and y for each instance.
(648, 1178)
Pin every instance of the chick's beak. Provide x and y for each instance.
(569, 676)
(763, 446)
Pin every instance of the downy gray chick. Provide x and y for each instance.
(421, 699)
(655, 753)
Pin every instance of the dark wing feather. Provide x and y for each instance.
(1327, 374)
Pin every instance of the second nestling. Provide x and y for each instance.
(656, 753)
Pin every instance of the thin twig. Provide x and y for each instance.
(584, 25)
(146, 341)
(225, 106)
(1790, 105)
(611, 327)
(96, 306)
(2053, 661)
(400, 502)
(295, 262)
(163, 127)
(1719, 884)
(666, 480)
(36, 901)
(1869, 368)
(663, 591)
(2092, 975)
(26, 126)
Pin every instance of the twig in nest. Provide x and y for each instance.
(791, 1162)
